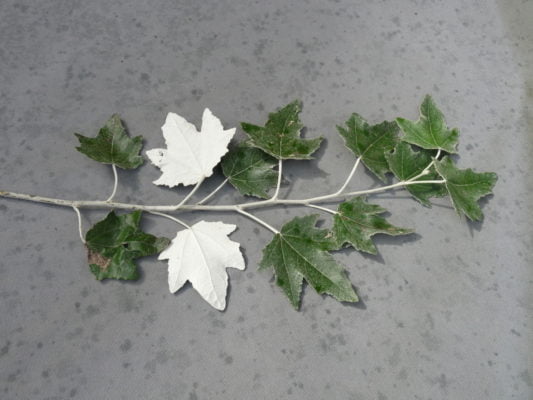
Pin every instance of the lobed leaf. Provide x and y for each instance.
(300, 251)
(370, 142)
(280, 137)
(405, 163)
(430, 131)
(190, 155)
(201, 255)
(250, 170)
(466, 187)
(357, 221)
(112, 145)
(115, 242)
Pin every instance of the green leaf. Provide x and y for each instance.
(357, 221)
(249, 169)
(430, 131)
(280, 137)
(405, 163)
(300, 251)
(370, 142)
(116, 241)
(466, 187)
(112, 145)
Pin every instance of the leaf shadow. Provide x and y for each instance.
(475, 226)
(360, 305)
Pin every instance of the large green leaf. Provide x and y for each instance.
(430, 131)
(405, 163)
(466, 187)
(112, 145)
(116, 241)
(280, 137)
(249, 169)
(300, 251)
(370, 142)
(357, 221)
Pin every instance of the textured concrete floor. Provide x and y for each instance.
(447, 314)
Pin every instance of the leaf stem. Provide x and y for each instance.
(349, 176)
(115, 185)
(80, 230)
(321, 208)
(278, 184)
(256, 219)
(179, 221)
(190, 194)
(213, 192)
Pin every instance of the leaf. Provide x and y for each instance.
(112, 145)
(280, 137)
(357, 221)
(190, 155)
(466, 187)
(249, 169)
(116, 241)
(299, 252)
(430, 131)
(201, 255)
(370, 142)
(406, 163)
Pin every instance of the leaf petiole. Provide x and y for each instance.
(115, 185)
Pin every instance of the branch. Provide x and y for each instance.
(196, 207)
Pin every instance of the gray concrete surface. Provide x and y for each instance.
(446, 314)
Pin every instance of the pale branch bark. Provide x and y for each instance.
(196, 207)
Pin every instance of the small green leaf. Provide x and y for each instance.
(370, 142)
(300, 251)
(430, 131)
(116, 241)
(357, 221)
(249, 169)
(466, 187)
(112, 145)
(280, 137)
(405, 163)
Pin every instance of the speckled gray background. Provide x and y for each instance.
(446, 315)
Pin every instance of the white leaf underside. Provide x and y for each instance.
(201, 255)
(190, 155)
